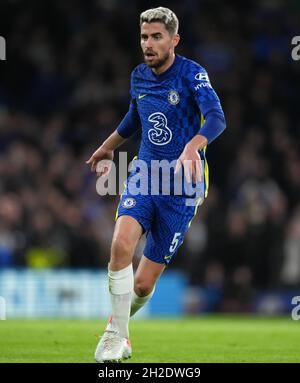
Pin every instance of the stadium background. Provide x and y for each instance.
(64, 88)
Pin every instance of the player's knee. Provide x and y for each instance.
(121, 246)
(143, 287)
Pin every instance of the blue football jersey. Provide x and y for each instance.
(171, 106)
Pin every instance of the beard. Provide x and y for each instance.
(158, 62)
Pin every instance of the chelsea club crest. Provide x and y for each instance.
(173, 97)
(128, 203)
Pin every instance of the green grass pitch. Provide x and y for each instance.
(197, 339)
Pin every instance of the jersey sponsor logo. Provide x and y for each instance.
(202, 76)
(173, 97)
(160, 134)
(128, 203)
(202, 85)
(142, 96)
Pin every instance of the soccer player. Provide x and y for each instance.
(174, 104)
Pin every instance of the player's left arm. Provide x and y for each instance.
(209, 105)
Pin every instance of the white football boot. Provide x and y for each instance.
(112, 348)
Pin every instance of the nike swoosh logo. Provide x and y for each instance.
(142, 96)
(167, 256)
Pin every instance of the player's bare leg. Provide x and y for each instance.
(125, 239)
(146, 276)
(114, 345)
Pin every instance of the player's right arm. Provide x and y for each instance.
(105, 152)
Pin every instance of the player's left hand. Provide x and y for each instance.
(191, 160)
(192, 164)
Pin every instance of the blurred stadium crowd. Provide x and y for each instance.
(65, 87)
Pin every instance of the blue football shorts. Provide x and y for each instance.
(164, 218)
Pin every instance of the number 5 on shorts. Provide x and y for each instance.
(175, 241)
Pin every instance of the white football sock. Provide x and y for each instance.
(138, 302)
(121, 288)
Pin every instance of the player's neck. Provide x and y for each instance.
(166, 65)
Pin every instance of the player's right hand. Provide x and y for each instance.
(100, 161)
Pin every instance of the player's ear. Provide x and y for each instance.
(176, 39)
